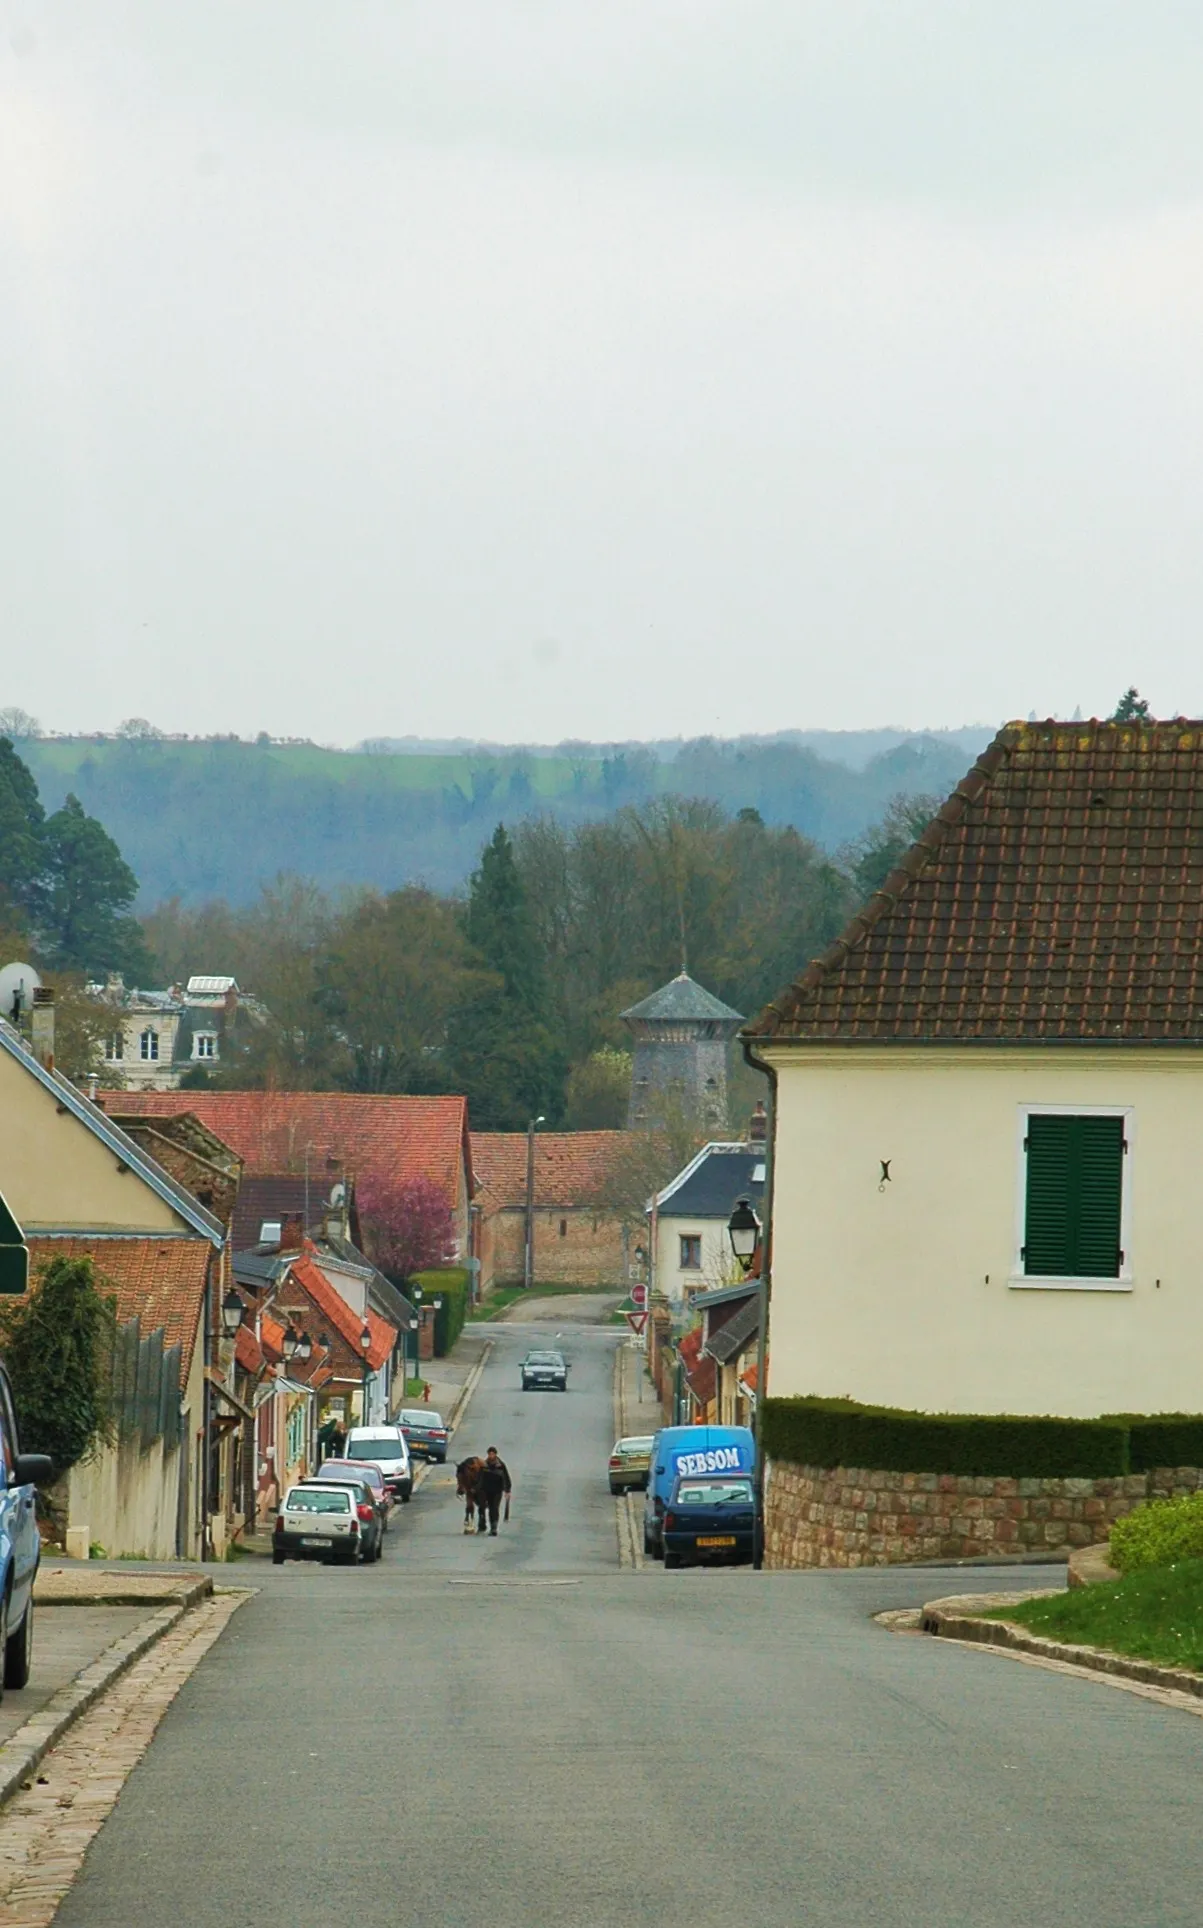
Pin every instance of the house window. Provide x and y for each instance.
(114, 1048)
(691, 1252)
(148, 1046)
(1075, 1194)
(204, 1044)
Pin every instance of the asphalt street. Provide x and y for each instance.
(513, 1732)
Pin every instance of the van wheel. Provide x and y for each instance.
(671, 1561)
(18, 1651)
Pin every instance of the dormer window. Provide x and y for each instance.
(204, 1044)
(148, 1046)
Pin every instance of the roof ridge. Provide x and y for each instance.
(896, 885)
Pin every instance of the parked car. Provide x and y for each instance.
(686, 1452)
(367, 1511)
(631, 1463)
(425, 1433)
(20, 1544)
(711, 1520)
(386, 1446)
(318, 1522)
(371, 1474)
(544, 1369)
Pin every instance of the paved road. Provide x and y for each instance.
(506, 1734)
(570, 1309)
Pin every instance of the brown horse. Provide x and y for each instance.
(467, 1473)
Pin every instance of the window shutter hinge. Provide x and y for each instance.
(1124, 1143)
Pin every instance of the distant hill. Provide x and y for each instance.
(212, 818)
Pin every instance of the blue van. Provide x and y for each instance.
(679, 1452)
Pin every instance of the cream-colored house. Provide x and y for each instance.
(691, 1249)
(989, 1098)
(79, 1186)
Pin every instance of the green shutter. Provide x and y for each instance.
(1075, 1182)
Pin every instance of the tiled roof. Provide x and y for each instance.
(682, 1000)
(366, 1134)
(247, 1350)
(712, 1182)
(347, 1323)
(274, 1196)
(731, 1339)
(1057, 895)
(568, 1165)
(160, 1282)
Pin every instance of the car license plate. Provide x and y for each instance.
(714, 1540)
(313, 1542)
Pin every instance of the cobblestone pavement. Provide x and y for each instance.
(65, 1640)
(46, 1831)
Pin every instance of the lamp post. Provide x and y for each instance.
(232, 1310)
(746, 1233)
(365, 1343)
(743, 1230)
(528, 1269)
(289, 1344)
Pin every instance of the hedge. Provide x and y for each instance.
(1166, 1439)
(838, 1432)
(452, 1285)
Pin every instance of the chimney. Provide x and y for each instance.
(42, 1026)
(292, 1235)
(758, 1126)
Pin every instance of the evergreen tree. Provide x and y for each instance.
(501, 1050)
(58, 1344)
(89, 888)
(22, 833)
(1131, 707)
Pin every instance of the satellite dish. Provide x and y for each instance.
(338, 1195)
(18, 982)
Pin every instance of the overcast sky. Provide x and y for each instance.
(606, 368)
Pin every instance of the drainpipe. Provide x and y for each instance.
(206, 1546)
(764, 1297)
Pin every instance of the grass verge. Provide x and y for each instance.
(1156, 1614)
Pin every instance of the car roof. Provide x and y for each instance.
(354, 1466)
(636, 1439)
(425, 1415)
(373, 1432)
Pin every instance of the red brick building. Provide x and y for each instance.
(575, 1243)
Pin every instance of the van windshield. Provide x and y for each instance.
(714, 1492)
(373, 1449)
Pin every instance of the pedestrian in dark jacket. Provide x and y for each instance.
(492, 1482)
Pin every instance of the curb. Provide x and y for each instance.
(952, 1625)
(630, 1548)
(184, 1593)
(23, 1752)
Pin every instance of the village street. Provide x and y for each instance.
(515, 1732)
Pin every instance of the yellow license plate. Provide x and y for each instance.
(716, 1542)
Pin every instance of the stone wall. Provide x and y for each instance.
(846, 1516)
(572, 1247)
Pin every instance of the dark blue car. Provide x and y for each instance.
(711, 1520)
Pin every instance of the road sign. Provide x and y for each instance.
(637, 1321)
(639, 1297)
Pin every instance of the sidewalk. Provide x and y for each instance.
(639, 1407)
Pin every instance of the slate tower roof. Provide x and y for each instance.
(1057, 896)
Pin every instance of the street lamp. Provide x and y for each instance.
(232, 1310)
(289, 1344)
(743, 1229)
(304, 1346)
(365, 1343)
(528, 1270)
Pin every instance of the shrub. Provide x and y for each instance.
(58, 1346)
(838, 1432)
(1166, 1439)
(452, 1286)
(1159, 1534)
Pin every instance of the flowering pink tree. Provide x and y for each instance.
(408, 1224)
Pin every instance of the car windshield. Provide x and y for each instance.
(544, 1359)
(714, 1492)
(424, 1418)
(311, 1499)
(389, 1448)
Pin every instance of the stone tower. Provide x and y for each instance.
(681, 1034)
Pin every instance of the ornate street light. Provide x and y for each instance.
(289, 1344)
(232, 1310)
(304, 1346)
(743, 1229)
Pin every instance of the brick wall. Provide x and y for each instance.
(846, 1516)
(589, 1251)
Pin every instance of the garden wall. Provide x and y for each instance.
(848, 1516)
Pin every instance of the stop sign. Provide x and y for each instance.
(639, 1297)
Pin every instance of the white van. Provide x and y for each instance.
(386, 1445)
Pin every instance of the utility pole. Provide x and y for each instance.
(528, 1269)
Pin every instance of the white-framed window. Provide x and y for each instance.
(691, 1252)
(148, 1046)
(114, 1048)
(204, 1044)
(1074, 1209)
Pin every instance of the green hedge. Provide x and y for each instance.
(1166, 1439)
(837, 1432)
(453, 1285)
